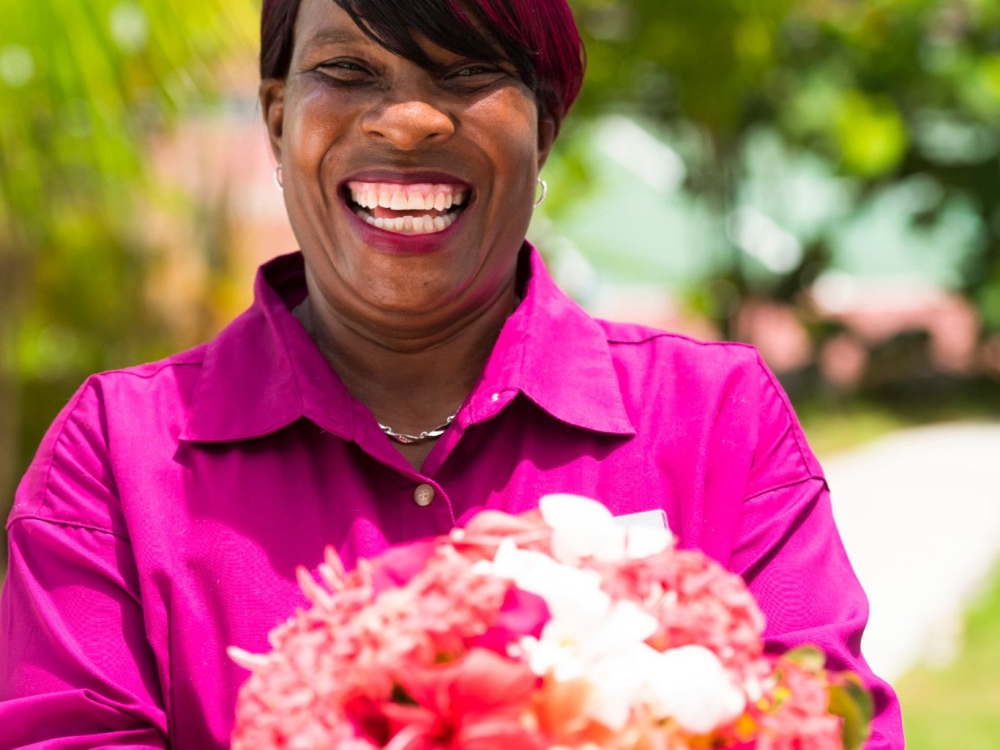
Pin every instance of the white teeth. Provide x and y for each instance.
(425, 224)
(422, 197)
(414, 199)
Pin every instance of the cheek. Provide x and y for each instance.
(507, 130)
(317, 122)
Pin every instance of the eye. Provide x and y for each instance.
(473, 76)
(346, 70)
(474, 70)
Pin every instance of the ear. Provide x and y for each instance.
(272, 105)
(547, 131)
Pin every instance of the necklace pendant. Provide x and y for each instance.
(404, 439)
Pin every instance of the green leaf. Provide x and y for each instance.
(850, 701)
(808, 658)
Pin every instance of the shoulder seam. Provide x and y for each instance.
(44, 487)
(161, 366)
(810, 477)
(70, 524)
(652, 335)
(792, 419)
(74, 404)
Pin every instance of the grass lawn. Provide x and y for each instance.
(957, 707)
(832, 426)
(831, 431)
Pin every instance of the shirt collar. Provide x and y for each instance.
(263, 372)
(554, 353)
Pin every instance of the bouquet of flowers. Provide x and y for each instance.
(558, 628)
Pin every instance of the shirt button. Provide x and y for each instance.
(423, 495)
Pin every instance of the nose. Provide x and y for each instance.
(407, 125)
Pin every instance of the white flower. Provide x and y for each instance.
(590, 636)
(691, 685)
(643, 541)
(581, 528)
(565, 589)
(584, 528)
(618, 683)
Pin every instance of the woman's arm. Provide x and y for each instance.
(76, 669)
(790, 553)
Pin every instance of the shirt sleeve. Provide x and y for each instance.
(76, 669)
(790, 553)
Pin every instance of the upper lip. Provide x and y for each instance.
(406, 177)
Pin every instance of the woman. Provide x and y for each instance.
(413, 365)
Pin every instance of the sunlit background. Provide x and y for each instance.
(820, 178)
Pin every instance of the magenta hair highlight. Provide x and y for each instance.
(549, 31)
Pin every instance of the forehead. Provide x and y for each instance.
(322, 22)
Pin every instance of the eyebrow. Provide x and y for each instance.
(325, 37)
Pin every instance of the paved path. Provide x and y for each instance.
(919, 512)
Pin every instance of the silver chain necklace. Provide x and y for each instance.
(304, 313)
(402, 437)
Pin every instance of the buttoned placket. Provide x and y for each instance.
(424, 505)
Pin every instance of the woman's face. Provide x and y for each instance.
(409, 191)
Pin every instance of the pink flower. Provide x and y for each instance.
(521, 614)
(398, 565)
(474, 703)
(800, 720)
(697, 602)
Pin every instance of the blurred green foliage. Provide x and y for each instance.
(87, 85)
(878, 90)
(84, 87)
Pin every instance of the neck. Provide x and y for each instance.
(411, 380)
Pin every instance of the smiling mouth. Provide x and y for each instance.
(407, 209)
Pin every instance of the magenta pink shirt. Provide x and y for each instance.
(169, 505)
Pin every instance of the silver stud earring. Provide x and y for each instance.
(545, 192)
(277, 178)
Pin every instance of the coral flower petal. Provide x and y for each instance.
(522, 613)
(397, 566)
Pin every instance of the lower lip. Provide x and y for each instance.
(404, 244)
